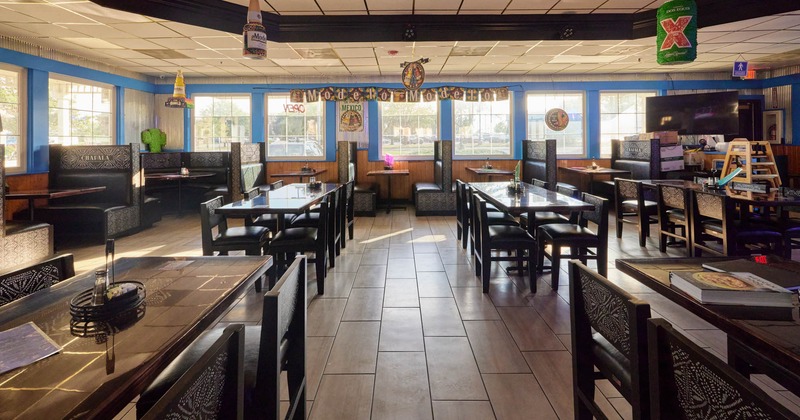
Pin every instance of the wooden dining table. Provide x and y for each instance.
(300, 174)
(96, 376)
(289, 199)
(771, 347)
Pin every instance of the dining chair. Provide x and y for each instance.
(462, 213)
(276, 185)
(608, 330)
(277, 344)
(36, 276)
(674, 216)
(251, 239)
(490, 237)
(301, 239)
(547, 217)
(578, 237)
(494, 217)
(688, 382)
(716, 231)
(212, 387)
(349, 220)
(629, 201)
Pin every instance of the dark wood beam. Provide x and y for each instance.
(229, 17)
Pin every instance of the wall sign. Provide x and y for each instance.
(397, 95)
(556, 119)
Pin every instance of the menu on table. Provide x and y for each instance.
(20, 346)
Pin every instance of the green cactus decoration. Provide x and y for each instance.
(155, 139)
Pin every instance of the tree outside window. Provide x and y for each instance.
(294, 130)
(482, 128)
(408, 129)
(220, 120)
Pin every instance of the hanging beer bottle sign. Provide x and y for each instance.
(676, 32)
(255, 35)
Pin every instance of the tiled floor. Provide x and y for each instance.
(405, 332)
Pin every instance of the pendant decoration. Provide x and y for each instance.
(676, 32)
(255, 35)
(179, 99)
(413, 74)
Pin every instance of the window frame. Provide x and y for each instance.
(600, 121)
(322, 129)
(437, 131)
(583, 120)
(22, 143)
(93, 83)
(193, 116)
(510, 154)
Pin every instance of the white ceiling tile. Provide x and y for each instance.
(490, 6)
(46, 29)
(464, 60)
(150, 62)
(504, 50)
(308, 45)
(98, 30)
(552, 67)
(778, 23)
(604, 10)
(364, 69)
(201, 53)
(360, 62)
(346, 12)
(627, 4)
(529, 5)
(53, 14)
(8, 15)
(448, 5)
(220, 42)
(489, 66)
(308, 62)
(92, 43)
(355, 52)
(177, 43)
(578, 4)
(282, 53)
(778, 48)
(533, 59)
(124, 53)
(260, 63)
(400, 6)
(498, 59)
(777, 36)
(740, 36)
(543, 49)
(273, 71)
(147, 30)
(191, 30)
(285, 6)
(334, 5)
(740, 47)
(187, 62)
(136, 44)
(570, 11)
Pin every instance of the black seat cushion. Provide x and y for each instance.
(509, 235)
(568, 231)
(500, 218)
(612, 363)
(651, 206)
(364, 188)
(295, 237)
(546, 217)
(190, 356)
(426, 187)
(310, 219)
(241, 235)
(676, 214)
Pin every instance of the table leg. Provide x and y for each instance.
(389, 191)
(180, 198)
(30, 207)
(747, 361)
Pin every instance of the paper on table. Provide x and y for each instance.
(23, 345)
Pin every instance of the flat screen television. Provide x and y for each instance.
(700, 113)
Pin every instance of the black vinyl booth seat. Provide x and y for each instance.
(248, 169)
(193, 191)
(608, 329)
(21, 242)
(365, 195)
(688, 382)
(437, 198)
(111, 213)
(277, 344)
(641, 157)
(540, 161)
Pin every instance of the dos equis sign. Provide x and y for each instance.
(676, 32)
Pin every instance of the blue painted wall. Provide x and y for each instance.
(39, 70)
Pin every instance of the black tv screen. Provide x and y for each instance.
(701, 113)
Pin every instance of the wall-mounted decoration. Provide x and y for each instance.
(351, 117)
(413, 75)
(355, 94)
(255, 35)
(676, 32)
(556, 119)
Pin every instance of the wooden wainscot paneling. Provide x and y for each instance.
(24, 182)
(419, 171)
(332, 174)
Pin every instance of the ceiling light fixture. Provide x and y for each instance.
(255, 35)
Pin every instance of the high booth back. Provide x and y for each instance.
(540, 161)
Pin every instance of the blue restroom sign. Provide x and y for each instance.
(740, 69)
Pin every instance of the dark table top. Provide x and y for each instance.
(93, 378)
(388, 172)
(52, 192)
(292, 198)
(492, 171)
(592, 171)
(169, 176)
(775, 198)
(531, 199)
(312, 172)
(778, 340)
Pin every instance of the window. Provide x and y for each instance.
(408, 129)
(12, 117)
(219, 120)
(482, 128)
(621, 114)
(295, 130)
(571, 140)
(81, 113)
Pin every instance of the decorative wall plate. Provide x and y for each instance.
(556, 119)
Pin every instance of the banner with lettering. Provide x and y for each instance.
(382, 94)
(676, 32)
(352, 118)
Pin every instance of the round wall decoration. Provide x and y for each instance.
(413, 74)
(556, 119)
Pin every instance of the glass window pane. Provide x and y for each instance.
(482, 128)
(569, 141)
(80, 113)
(408, 129)
(294, 130)
(626, 120)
